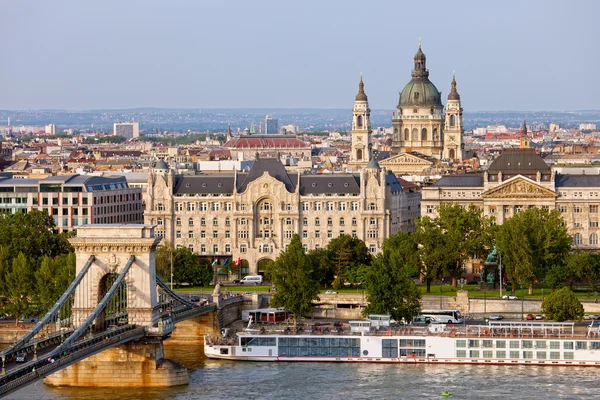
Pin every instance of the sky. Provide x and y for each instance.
(114, 54)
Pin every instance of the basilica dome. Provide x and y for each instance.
(420, 91)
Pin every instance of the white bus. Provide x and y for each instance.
(444, 316)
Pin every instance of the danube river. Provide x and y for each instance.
(214, 379)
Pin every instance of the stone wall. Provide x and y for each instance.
(129, 365)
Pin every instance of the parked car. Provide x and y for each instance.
(495, 317)
(21, 357)
(194, 299)
(236, 281)
(539, 316)
(529, 317)
(330, 292)
(422, 320)
(595, 316)
(510, 297)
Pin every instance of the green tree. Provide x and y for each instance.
(164, 254)
(556, 277)
(323, 268)
(347, 254)
(186, 268)
(402, 246)
(432, 254)
(205, 271)
(466, 234)
(391, 289)
(19, 285)
(562, 305)
(531, 243)
(46, 284)
(581, 266)
(293, 275)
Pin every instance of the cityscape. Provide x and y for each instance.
(171, 212)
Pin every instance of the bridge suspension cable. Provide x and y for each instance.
(99, 308)
(53, 311)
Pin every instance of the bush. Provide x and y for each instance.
(562, 305)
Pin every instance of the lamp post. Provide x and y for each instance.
(171, 247)
(500, 272)
(522, 299)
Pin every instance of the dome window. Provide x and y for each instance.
(314, 185)
(204, 184)
(330, 184)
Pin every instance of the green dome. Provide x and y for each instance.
(420, 92)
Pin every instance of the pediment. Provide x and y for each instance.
(519, 187)
(404, 159)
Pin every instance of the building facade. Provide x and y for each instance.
(74, 200)
(520, 179)
(253, 215)
(127, 130)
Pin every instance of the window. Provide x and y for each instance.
(594, 208)
(372, 247)
(227, 206)
(317, 234)
(227, 234)
(190, 234)
(243, 206)
(227, 248)
(372, 207)
(317, 222)
(577, 239)
(577, 209)
(288, 221)
(501, 354)
(215, 248)
(329, 221)
(568, 345)
(500, 344)
(178, 222)
(202, 249)
(191, 206)
(159, 221)
(330, 206)
(243, 221)
(288, 207)
(304, 234)
(354, 207)
(227, 222)
(305, 206)
(342, 221)
(514, 354)
(580, 345)
(305, 221)
(243, 234)
(265, 206)
(354, 222)
(160, 207)
(540, 355)
(430, 209)
(342, 206)
(527, 354)
(190, 222)
(568, 355)
(215, 234)
(372, 221)
(317, 206)
(329, 234)
(203, 234)
(354, 234)
(243, 248)
(562, 209)
(593, 224)
(216, 206)
(555, 345)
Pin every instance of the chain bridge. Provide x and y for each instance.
(116, 312)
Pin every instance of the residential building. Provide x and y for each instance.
(127, 130)
(269, 126)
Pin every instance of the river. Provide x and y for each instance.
(216, 379)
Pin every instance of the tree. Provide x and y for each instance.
(185, 266)
(293, 275)
(466, 234)
(346, 254)
(164, 254)
(19, 285)
(46, 283)
(432, 254)
(581, 266)
(402, 246)
(562, 305)
(323, 268)
(531, 243)
(391, 289)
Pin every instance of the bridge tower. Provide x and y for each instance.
(112, 247)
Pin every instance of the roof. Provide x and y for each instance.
(329, 184)
(392, 182)
(577, 180)
(373, 164)
(273, 167)
(519, 161)
(221, 183)
(265, 142)
(466, 180)
(161, 164)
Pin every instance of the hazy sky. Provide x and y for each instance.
(508, 55)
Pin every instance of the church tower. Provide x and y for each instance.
(419, 121)
(453, 127)
(361, 128)
(524, 139)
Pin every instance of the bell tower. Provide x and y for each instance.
(361, 128)
(453, 127)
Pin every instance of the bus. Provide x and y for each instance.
(444, 316)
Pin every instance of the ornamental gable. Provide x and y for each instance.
(405, 159)
(519, 187)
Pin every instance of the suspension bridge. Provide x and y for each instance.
(116, 302)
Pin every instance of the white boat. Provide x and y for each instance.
(505, 343)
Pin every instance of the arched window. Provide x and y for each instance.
(215, 222)
(359, 121)
(178, 221)
(594, 238)
(329, 221)
(191, 222)
(406, 134)
(451, 154)
(227, 221)
(305, 221)
(372, 207)
(436, 136)
(416, 96)
(317, 221)
(160, 207)
(424, 134)
(453, 120)
(359, 155)
(415, 134)
(159, 221)
(353, 221)
(288, 221)
(577, 239)
(342, 221)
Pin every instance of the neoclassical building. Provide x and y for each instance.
(520, 179)
(253, 215)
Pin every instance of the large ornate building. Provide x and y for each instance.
(422, 132)
(520, 179)
(253, 215)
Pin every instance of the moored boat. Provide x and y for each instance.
(498, 342)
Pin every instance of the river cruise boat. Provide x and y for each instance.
(498, 342)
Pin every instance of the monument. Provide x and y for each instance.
(489, 273)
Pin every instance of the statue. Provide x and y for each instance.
(490, 278)
(217, 290)
(492, 256)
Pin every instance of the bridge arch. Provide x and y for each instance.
(115, 312)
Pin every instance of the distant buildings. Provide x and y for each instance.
(587, 127)
(269, 126)
(128, 130)
(50, 129)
